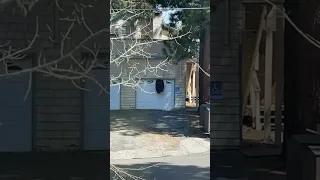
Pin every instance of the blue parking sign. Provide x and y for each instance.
(177, 90)
(216, 90)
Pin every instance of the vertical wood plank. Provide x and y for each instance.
(279, 75)
(189, 83)
(252, 104)
(257, 109)
(268, 83)
(255, 53)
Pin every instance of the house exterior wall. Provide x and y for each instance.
(225, 64)
(57, 104)
(58, 113)
(175, 72)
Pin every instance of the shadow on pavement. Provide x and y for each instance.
(233, 165)
(137, 122)
(195, 130)
(166, 172)
(54, 166)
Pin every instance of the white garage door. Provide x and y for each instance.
(115, 96)
(96, 113)
(148, 98)
(15, 114)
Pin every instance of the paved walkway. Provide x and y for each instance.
(195, 167)
(225, 165)
(150, 134)
(186, 146)
(233, 165)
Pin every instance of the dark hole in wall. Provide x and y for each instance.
(13, 67)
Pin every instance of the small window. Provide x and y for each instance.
(168, 82)
(150, 81)
(13, 67)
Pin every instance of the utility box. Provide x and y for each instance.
(205, 117)
(206, 125)
(202, 112)
(311, 163)
(297, 148)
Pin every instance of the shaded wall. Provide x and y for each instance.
(302, 75)
(226, 32)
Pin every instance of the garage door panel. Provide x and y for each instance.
(18, 79)
(99, 140)
(98, 92)
(93, 126)
(13, 94)
(147, 98)
(14, 101)
(15, 139)
(115, 97)
(98, 110)
(99, 120)
(16, 115)
(97, 100)
(97, 116)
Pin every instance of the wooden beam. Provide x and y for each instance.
(273, 93)
(189, 82)
(256, 51)
(257, 101)
(252, 104)
(194, 81)
(257, 61)
(268, 81)
(197, 86)
(279, 75)
(271, 22)
(262, 1)
(257, 109)
(255, 81)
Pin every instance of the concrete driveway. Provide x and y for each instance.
(150, 133)
(195, 167)
(136, 122)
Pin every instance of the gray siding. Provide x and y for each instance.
(96, 113)
(225, 65)
(58, 113)
(58, 104)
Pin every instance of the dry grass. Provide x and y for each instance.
(159, 141)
